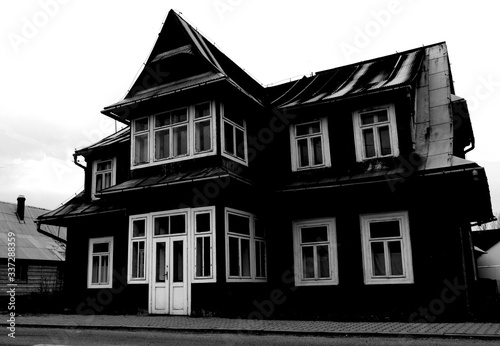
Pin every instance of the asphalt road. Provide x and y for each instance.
(74, 337)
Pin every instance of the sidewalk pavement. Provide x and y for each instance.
(227, 325)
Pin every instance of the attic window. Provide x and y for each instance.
(375, 133)
(104, 175)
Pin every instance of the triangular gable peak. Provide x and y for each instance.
(182, 58)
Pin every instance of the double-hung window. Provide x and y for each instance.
(315, 252)
(204, 245)
(138, 243)
(310, 145)
(100, 262)
(386, 248)
(174, 135)
(245, 248)
(376, 133)
(234, 136)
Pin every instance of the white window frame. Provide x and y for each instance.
(131, 240)
(358, 132)
(94, 174)
(211, 235)
(235, 126)
(406, 256)
(330, 224)
(191, 137)
(325, 145)
(93, 241)
(252, 239)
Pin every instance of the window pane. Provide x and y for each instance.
(95, 269)
(369, 142)
(240, 144)
(381, 115)
(203, 140)
(202, 110)
(385, 140)
(395, 256)
(260, 258)
(228, 139)
(314, 234)
(138, 228)
(138, 259)
(162, 144)
(199, 256)
(303, 153)
(179, 115)
(257, 259)
(378, 258)
(317, 150)
(384, 229)
(245, 257)
(308, 262)
(178, 260)
(203, 223)
(162, 225)
(141, 124)
(162, 119)
(98, 182)
(177, 224)
(307, 129)
(142, 260)
(141, 149)
(100, 248)
(367, 118)
(206, 257)
(160, 262)
(234, 257)
(180, 141)
(104, 269)
(107, 180)
(104, 165)
(238, 224)
(323, 261)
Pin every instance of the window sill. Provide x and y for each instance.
(245, 280)
(388, 281)
(99, 286)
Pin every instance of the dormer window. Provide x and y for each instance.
(310, 145)
(376, 133)
(174, 135)
(104, 175)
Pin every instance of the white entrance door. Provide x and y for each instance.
(169, 279)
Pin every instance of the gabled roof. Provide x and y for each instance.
(183, 58)
(30, 244)
(385, 73)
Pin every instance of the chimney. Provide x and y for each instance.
(20, 207)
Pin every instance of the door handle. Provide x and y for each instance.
(166, 273)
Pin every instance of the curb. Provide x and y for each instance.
(261, 331)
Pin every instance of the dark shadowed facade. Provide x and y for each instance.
(343, 195)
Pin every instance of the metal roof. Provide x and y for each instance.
(78, 206)
(122, 136)
(362, 78)
(171, 179)
(30, 244)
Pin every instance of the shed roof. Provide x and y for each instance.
(30, 244)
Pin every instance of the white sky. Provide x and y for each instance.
(62, 61)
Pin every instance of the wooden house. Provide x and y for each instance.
(32, 255)
(345, 194)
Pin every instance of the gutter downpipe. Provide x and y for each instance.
(75, 160)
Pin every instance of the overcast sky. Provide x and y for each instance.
(62, 61)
